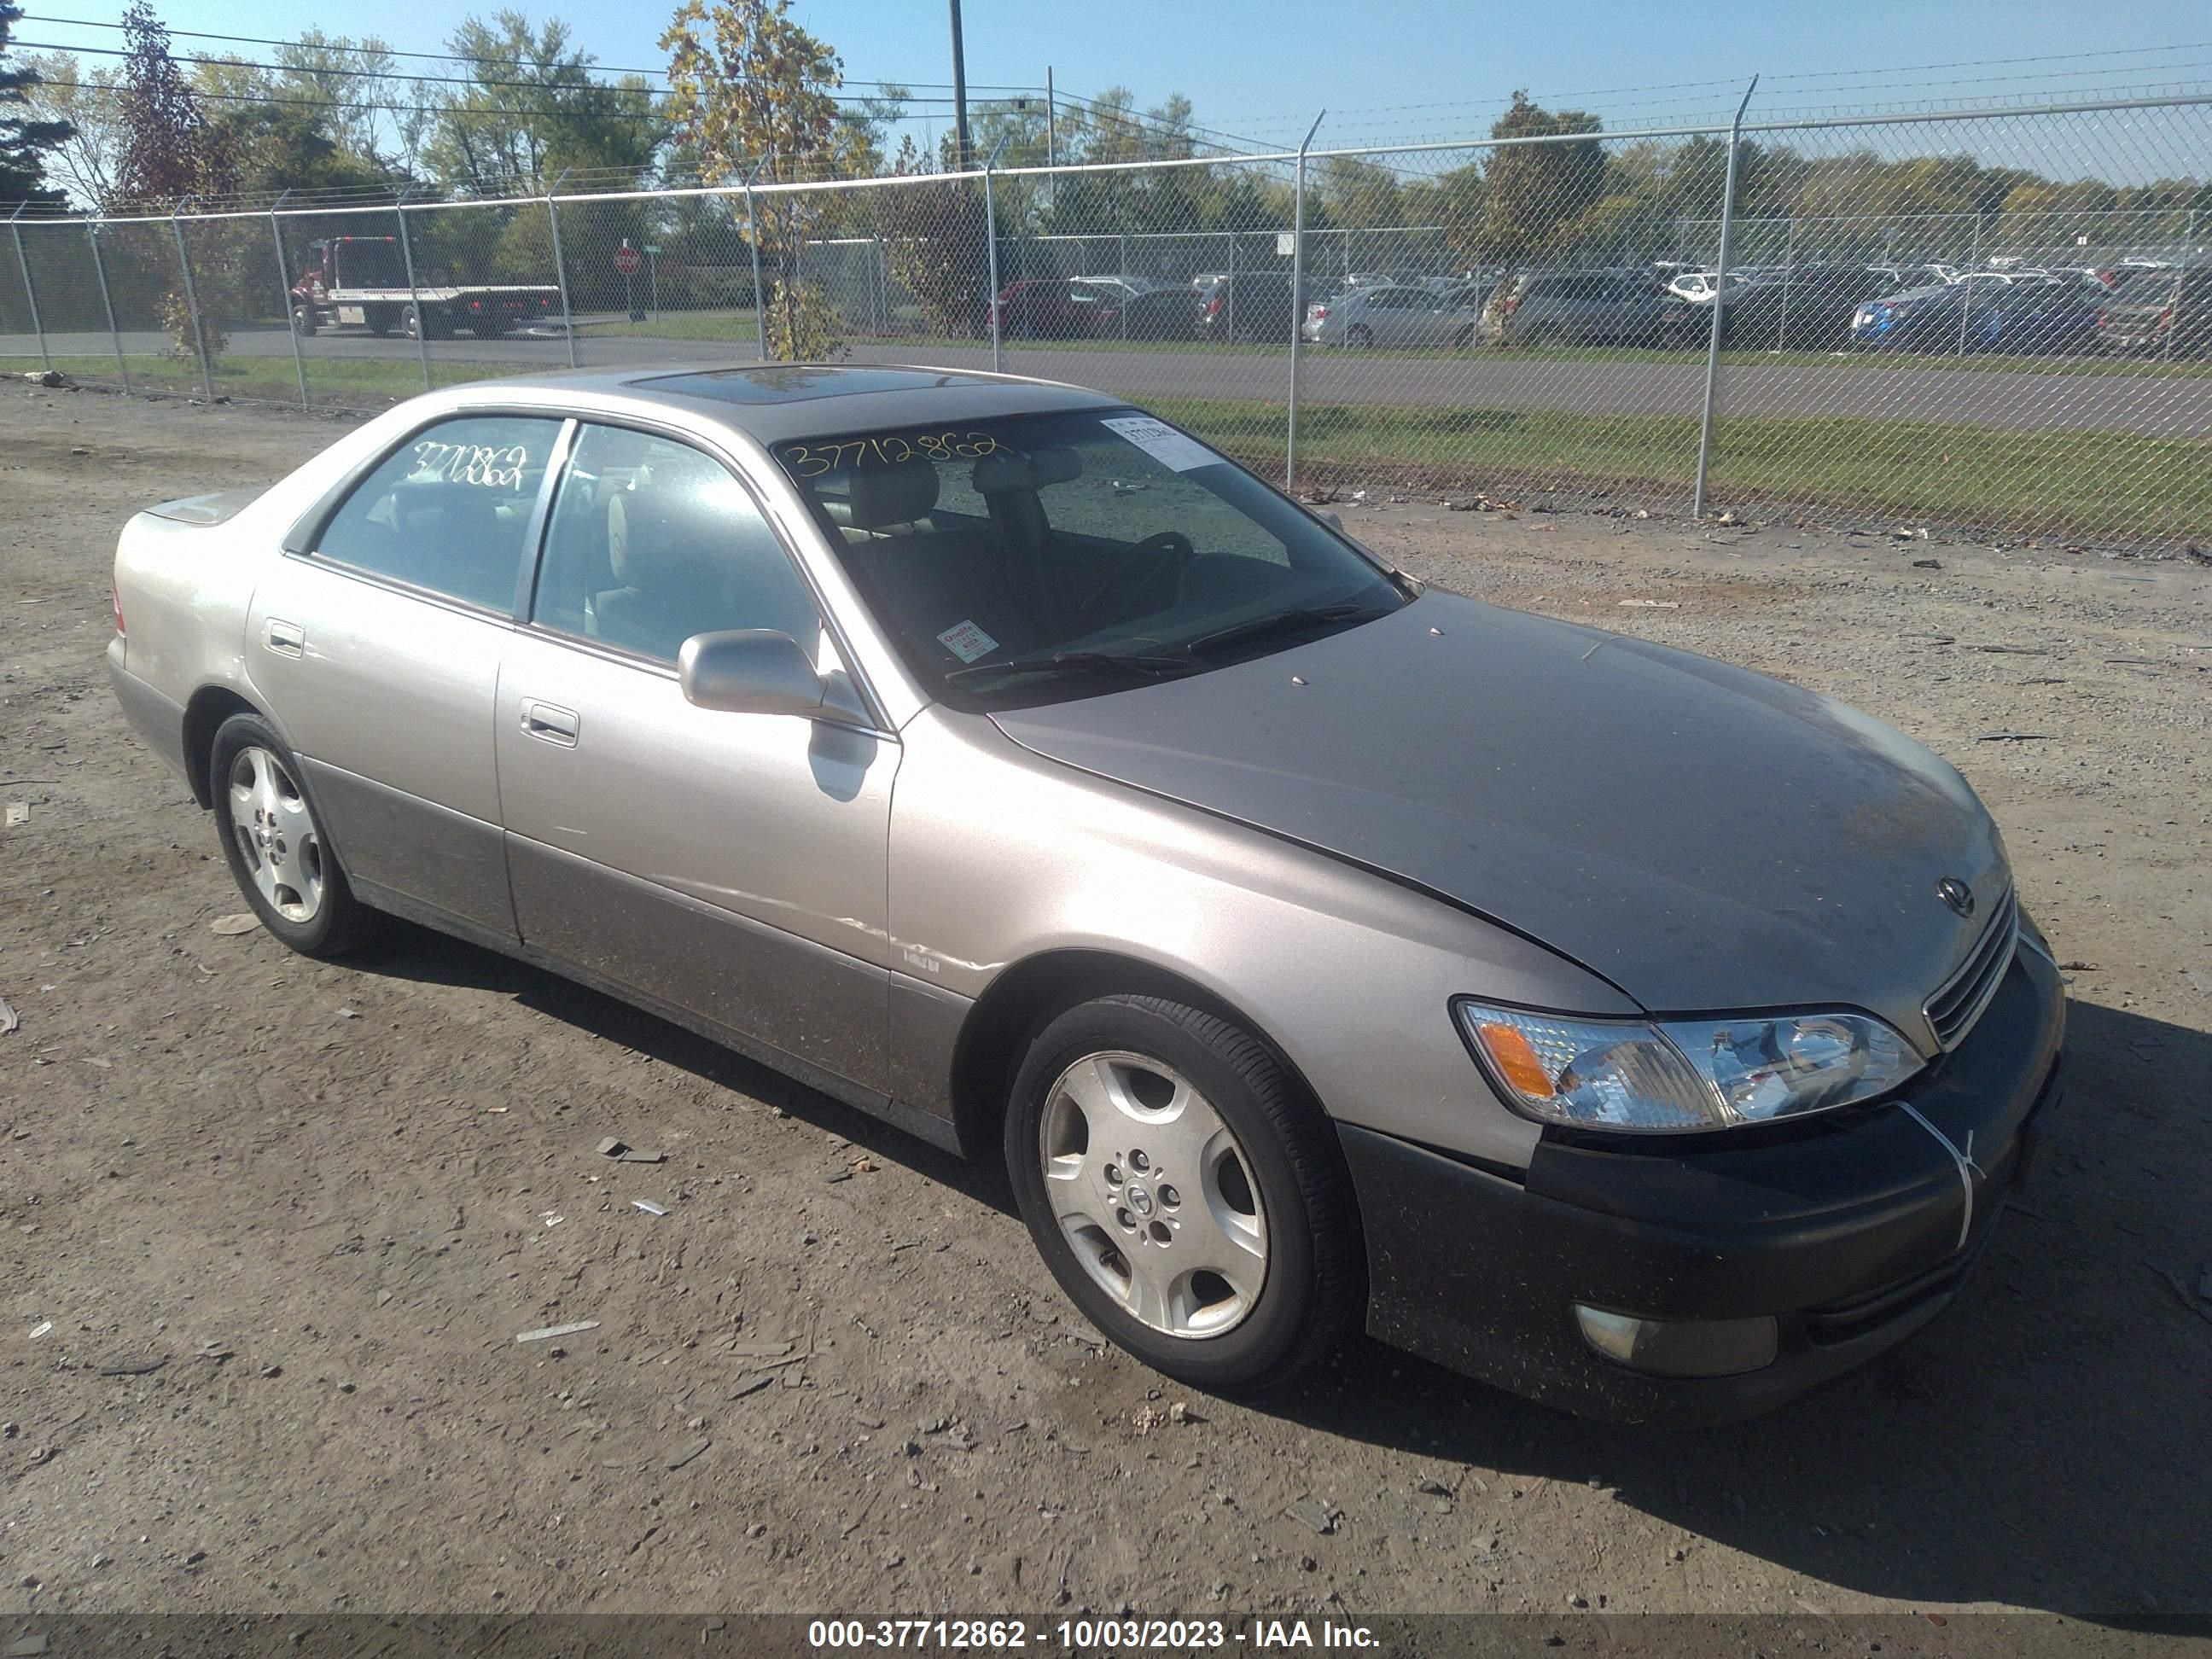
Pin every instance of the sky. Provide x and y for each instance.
(1386, 69)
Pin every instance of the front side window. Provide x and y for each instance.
(1037, 557)
(449, 510)
(652, 541)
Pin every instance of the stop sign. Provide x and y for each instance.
(628, 260)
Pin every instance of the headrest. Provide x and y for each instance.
(1005, 469)
(882, 496)
(670, 535)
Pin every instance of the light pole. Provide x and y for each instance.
(959, 88)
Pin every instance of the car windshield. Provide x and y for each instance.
(1042, 557)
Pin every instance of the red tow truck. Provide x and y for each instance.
(361, 281)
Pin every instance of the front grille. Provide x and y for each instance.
(1952, 1010)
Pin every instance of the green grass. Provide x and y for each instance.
(2100, 483)
(678, 326)
(2105, 484)
(741, 326)
(347, 380)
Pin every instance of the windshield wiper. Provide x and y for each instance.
(1138, 665)
(1282, 621)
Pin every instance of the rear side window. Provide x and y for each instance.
(653, 541)
(449, 509)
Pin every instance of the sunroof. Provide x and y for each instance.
(777, 384)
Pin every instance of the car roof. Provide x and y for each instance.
(772, 402)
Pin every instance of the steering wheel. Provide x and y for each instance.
(1172, 544)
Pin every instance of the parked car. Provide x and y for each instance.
(1581, 307)
(1697, 288)
(1251, 304)
(1385, 316)
(2159, 311)
(1405, 277)
(614, 671)
(1047, 308)
(1980, 313)
(1903, 278)
(1160, 313)
(1804, 308)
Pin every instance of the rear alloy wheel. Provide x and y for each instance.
(276, 850)
(1186, 1195)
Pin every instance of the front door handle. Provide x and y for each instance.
(285, 638)
(549, 723)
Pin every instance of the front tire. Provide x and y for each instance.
(275, 846)
(1186, 1193)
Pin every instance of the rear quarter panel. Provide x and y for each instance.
(184, 588)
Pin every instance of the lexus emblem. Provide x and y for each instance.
(1956, 894)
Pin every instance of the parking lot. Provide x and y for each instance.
(271, 1228)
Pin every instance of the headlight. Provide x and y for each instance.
(1685, 1075)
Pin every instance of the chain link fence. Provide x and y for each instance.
(1998, 320)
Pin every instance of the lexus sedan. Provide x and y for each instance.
(1317, 948)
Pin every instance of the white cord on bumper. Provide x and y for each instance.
(1967, 1166)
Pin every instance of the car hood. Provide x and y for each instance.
(1705, 837)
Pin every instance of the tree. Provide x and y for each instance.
(24, 141)
(345, 78)
(534, 109)
(170, 149)
(754, 96)
(936, 241)
(66, 94)
(172, 153)
(1533, 190)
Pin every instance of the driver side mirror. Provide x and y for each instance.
(749, 671)
(1334, 520)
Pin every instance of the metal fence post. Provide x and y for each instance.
(752, 236)
(192, 306)
(1967, 301)
(2173, 316)
(30, 289)
(1297, 300)
(284, 289)
(1720, 303)
(1789, 271)
(413, 294)
(560, 266)
(1229, 309)
(991, 240)
(106, 304)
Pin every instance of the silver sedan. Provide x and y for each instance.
(1318, 950)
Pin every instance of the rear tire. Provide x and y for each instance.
(275, 845)
(1197, 1208)
(1359, 338)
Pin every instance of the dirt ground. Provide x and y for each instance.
(269, 1229)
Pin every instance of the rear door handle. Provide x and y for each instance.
(549, 723)
(285, 638)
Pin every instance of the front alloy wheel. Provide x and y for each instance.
(1187, 1193)
(1153, 1194)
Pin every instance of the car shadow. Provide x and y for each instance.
(417, 953)
(2039, 1444)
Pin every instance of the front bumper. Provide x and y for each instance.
(1853, 1231)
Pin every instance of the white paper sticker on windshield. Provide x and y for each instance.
(966, 642)
(1163, 442)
